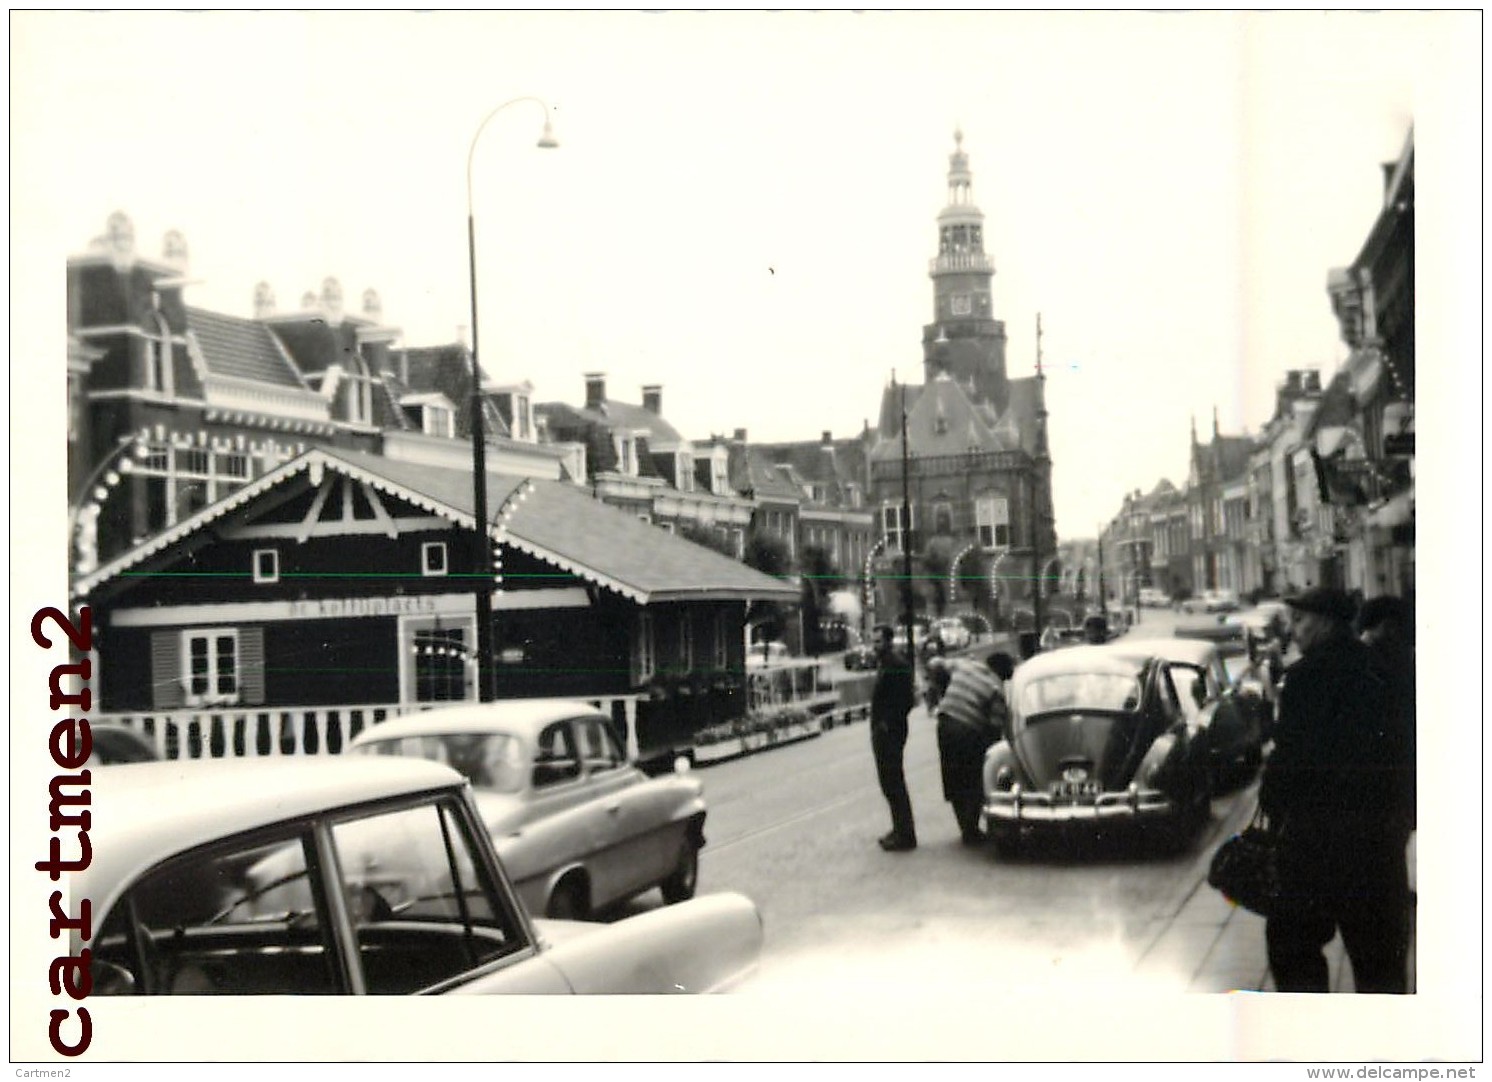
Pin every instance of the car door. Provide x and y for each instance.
(627, 856)
(560, 823)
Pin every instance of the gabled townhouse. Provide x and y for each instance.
(636, 461)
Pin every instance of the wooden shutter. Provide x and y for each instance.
(165, 670)
(251, 665)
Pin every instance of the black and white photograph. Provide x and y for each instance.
(895, 530)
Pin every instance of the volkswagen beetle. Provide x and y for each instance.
(350, 875)
(1096, 739)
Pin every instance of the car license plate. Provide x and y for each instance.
(1076, 790)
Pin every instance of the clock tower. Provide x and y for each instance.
(964, 339)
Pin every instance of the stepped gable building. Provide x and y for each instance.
(635, 460)
(1217, 468)
(977, 470)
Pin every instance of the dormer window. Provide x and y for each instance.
(719, 476)
(626, 454)
(438, 421)
(684, 472)
(358, 393)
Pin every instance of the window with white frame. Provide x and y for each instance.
(433, 558)
(644, 657)
(992, 520)
(157, 375)
(719, 477)
(684, 472)
(626, 454)
(897, 522)
(266, 565)
(209, 666)
(438, 421)
(179, 480)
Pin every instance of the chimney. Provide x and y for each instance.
(828, 438)
(1388, 177)
(652, 398)
(740, 436)
(595, 390)
(264, 300)
(174, 250)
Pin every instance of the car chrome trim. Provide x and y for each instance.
(1020, 806)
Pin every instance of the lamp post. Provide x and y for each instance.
(906, 530)
(485, 570)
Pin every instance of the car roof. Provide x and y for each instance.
(523, 718)
(1076, 659)
(145, 812)
(1190, 651)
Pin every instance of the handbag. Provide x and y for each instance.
(1244, 869)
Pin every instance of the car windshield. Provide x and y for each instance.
(1080, 691)
(1191, 687)
(493, 761)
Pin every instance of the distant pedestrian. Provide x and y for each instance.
(1096, 629)
(891, 701)
(971, 716)
(1334, 789)
(1028, 645)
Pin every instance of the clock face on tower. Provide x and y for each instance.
(961, 304)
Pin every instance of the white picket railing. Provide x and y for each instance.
(267, 732)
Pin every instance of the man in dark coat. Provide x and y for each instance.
(891, 701)
(1335, 787)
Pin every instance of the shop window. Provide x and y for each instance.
(440, 664)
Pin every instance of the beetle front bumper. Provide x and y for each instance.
(1016, 806)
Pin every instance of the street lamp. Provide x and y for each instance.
(485, 569)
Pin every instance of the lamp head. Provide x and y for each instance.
(547, 141)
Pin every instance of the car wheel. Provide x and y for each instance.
(570, 900)
(680, 886)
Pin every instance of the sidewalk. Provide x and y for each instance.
(1211, 945)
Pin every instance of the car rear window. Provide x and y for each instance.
(1079, 691)
(493, 761)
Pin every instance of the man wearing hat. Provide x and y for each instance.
(891, 700)
(1333, 789)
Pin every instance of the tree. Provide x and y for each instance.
(768, 554)
(819, 576)
(710, 537)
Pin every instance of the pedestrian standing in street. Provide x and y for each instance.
(1335, 789)
(891, 700)
(971, 716)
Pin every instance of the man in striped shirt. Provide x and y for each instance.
(971, 716)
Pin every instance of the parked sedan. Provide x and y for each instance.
(579, 828)
(1096, 738)
(352, 875)
(1233, 720)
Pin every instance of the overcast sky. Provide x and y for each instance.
(743, 205)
